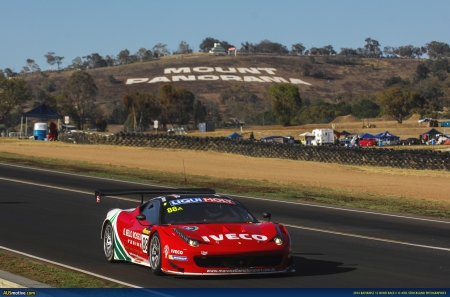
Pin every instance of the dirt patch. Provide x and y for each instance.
(404, 183)
(346, 119)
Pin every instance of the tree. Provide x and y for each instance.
(438, 50)
(160, 50)
(366, 108)
(123, 57)
(183, 48)
(144, 54)
(286, 101)
(348, 52)
(13, 93)
(399, 101)
(9, 72)
(31, 66)
(110, 61)
(118, 114)
(372, 47)
(77, 64)
(51, 60)
(298, 48)
(199, 112)
(267, 46)
(78, 96)
(142, 107)
(95, 61)
(184, 106)
(58, 60)
(208, 43)
(422, 72)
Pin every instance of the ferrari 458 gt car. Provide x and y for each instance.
(194, 232)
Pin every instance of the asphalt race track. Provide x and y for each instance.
(54, 216)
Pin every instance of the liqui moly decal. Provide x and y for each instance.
(234, 236)
(200, 200)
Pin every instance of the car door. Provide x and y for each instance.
(141, 228)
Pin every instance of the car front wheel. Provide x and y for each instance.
(108, 242)
(155, 254)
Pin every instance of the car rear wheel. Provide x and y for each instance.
(155, 254)
(108, 242)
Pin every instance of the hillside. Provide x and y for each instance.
(366, 77)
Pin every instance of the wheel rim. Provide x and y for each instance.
(155, 252)
(108, 241)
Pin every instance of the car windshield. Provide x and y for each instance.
(198, 210)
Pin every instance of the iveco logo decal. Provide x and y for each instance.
(190, 228)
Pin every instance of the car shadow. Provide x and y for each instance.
(303, 267)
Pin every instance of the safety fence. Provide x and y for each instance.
(385, 157)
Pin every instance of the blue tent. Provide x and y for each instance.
(386, 135)
(42, 111)
(235, 136)
(432, 132)
(366, 135)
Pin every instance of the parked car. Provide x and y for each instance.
(390, 141)
(367, 142)
(410, 141)
(346, 141)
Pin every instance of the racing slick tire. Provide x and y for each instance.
(155, 254)
(108, 242)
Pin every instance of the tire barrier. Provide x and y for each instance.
(383, 157)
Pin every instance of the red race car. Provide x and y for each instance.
(194, 232)
(367, 142)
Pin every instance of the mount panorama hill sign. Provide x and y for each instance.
(259, 75)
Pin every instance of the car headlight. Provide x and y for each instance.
(193, 242)
(279, 238)
(188, 240)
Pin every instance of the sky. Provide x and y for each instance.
(72, 28)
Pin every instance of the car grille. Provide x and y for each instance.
(236, 261)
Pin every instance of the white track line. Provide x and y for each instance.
(249, 197)
(69, 267)
(367, 237)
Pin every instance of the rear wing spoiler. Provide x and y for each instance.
(142, 192)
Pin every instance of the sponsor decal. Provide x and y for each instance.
(224, 74)
(133, 238)
(132, 234)
(185, 201)
(177, 258)
(201, 200)
(234, 236)
(146, 231)
(178, 252)
(166, 250)
(190, 228)
(219, 200)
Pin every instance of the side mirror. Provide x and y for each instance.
(140, 217)
(267, 215)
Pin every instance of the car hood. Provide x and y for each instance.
(229, 234)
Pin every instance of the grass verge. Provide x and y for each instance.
(67, 279)
(52, 276)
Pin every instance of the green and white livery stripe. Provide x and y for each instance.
(119, 251)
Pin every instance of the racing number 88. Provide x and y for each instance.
(173, 208)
